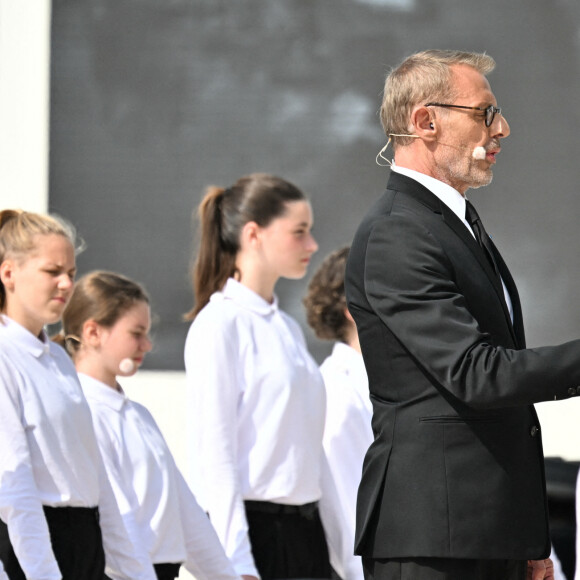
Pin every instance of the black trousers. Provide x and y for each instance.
(167, 571)
(287, 541)
(443, 569)
(76, 540)
(162, 571)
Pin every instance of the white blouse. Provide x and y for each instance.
(256, 406)
(160, 513)
(49, 455)
(347, 437)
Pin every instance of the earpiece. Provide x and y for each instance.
(431, 126)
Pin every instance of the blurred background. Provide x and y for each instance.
(117, 114)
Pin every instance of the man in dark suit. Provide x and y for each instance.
(453, 486)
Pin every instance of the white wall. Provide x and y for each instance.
(24, 103)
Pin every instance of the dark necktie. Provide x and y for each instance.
(481, 236)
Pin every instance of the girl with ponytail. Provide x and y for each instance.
(256, 399)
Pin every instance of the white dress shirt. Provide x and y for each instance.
(49, 455)
(161, 515)
(256, 408)
(347, 437)
(454, 201)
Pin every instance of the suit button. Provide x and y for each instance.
(572, 391)
(534, 431)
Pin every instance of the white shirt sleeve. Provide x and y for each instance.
(125, 501)
(214, 391)
(125, 561)
(206, 558)
(20, 506)
(347, 436)
(338, 505)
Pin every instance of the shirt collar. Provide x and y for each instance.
(23, 339)
(447, 194)
(243, 296)
(97, 390)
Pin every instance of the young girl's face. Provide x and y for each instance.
(39, 285)
(287, 241)
(128, 339)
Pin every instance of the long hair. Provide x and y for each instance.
(222, 214)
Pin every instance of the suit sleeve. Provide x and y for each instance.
(410, 283)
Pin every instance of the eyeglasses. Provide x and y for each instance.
(490, 111)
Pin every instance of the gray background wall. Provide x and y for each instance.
(153, 100)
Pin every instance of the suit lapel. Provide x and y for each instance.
(411, 187)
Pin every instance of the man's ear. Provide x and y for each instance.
(425, 123)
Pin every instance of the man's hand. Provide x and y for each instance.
(540, 570)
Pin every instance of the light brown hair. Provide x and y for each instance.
(18, 232)
(100, 296)
(423, 77)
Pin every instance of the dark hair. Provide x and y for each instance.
(222, 213)
(18, 231)
(100, 296)
(325, 300)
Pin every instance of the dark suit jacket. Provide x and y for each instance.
(456, 469)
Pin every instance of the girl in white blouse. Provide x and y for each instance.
(54, 493)
(347, 433)
(256, 397)
(106, 329)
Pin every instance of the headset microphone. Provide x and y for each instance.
(479, 153)
(127, 366)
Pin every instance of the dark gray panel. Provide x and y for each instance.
(153, 100)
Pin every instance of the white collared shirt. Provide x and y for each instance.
(256, 410)
(454, 201)
(160, 513)
(49, 454)
(347, 437)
